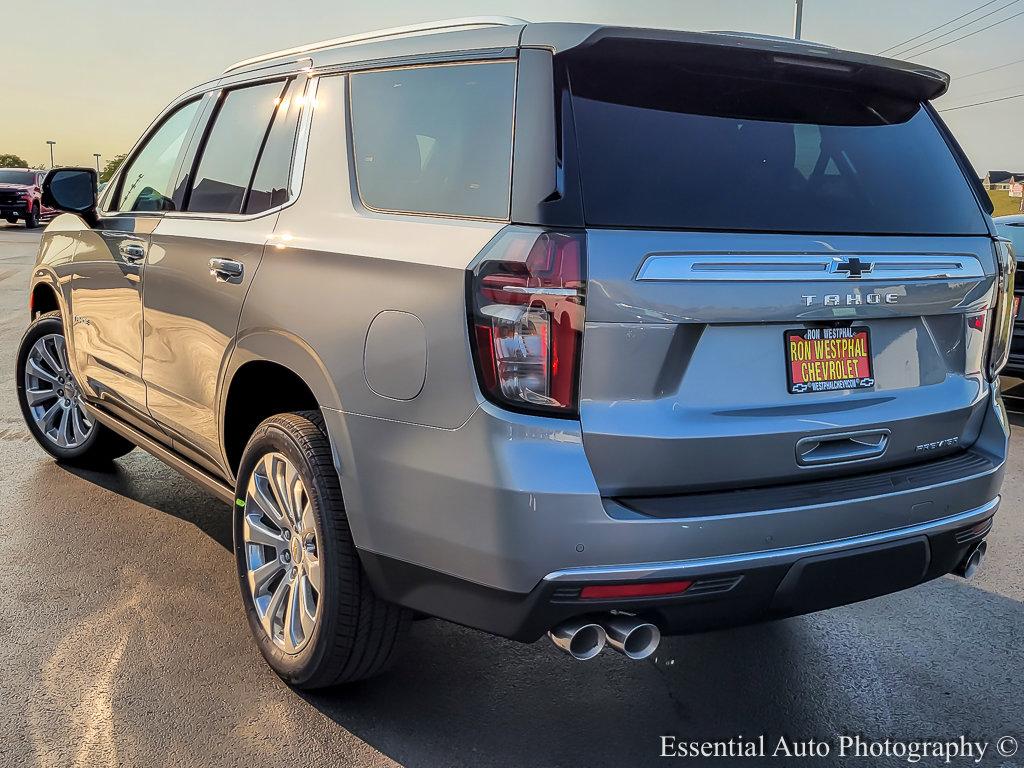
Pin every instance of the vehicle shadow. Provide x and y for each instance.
(144, 479)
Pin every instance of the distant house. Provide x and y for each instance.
(1002, 179)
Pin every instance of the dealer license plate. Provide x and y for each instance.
(828, 359)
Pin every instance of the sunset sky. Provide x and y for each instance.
(91, 75)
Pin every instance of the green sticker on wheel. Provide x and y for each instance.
(240, 503)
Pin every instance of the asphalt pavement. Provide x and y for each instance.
(123, 642)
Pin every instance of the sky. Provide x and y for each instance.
(92, 74)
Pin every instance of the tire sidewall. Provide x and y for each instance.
(44, 326)
(294, 668)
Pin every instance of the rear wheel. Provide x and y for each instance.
(310, 607)
(51, 401)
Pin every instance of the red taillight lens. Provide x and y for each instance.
(526, 299)
(615, 591)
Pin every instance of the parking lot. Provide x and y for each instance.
(123, 642)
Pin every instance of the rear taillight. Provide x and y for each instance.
(1002, 315)
(526, 300)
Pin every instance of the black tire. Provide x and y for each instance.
(32, 217)
(356, 634)
(101, 446)
(11, 219)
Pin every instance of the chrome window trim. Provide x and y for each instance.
(298, 169)
(778, 267)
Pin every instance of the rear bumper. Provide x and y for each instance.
(726, 591)
(496, 523)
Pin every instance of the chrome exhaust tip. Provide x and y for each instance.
(580, 638)
(631, 637)
(970, 564)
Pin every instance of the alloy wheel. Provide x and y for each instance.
(282, 553)
(52, 394)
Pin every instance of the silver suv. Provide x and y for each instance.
(599, 332)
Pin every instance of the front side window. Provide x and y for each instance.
(146, 182)
(435, 139)
(233, 146)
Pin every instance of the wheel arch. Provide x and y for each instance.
(44, 297)
(269, 372)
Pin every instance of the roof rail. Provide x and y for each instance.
(468, 22)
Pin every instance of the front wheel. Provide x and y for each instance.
(11, 219)
(32, 217)
(310, 606)
(51, 401)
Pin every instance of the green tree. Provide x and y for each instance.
(111, 167)
(12, 161)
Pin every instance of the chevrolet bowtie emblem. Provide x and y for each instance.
(853, 267)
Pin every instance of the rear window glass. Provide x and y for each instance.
(663, 148)
(435, 139)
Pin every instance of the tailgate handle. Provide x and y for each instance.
(843, 447)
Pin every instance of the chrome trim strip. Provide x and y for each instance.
(302, 141)
(807, 267)
(523, 289)
(674, 568)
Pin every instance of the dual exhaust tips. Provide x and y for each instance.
(584, 638)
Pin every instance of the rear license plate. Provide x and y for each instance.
(828, 359)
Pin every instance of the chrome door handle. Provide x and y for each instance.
(133, 252)
(226, 269)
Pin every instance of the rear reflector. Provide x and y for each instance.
(613, 591)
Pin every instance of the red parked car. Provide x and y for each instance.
(20, 196)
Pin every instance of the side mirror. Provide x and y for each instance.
(72, 190)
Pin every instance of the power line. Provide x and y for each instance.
(969, 34)
(990, 69)
(1004, 89)
(979, 103)
(912, 48)
(946, 24)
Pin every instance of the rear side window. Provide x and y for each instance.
(435, 139)
(232, 147)
(662, 147)
(145, 183)
(270, 185)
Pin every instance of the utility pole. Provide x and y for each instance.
(51, 143)
(798, 18)
(97, 156)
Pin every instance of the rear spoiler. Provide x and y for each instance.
(758, 55)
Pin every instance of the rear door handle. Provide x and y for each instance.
(842, 447)
(226, 270)
(133, 252)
